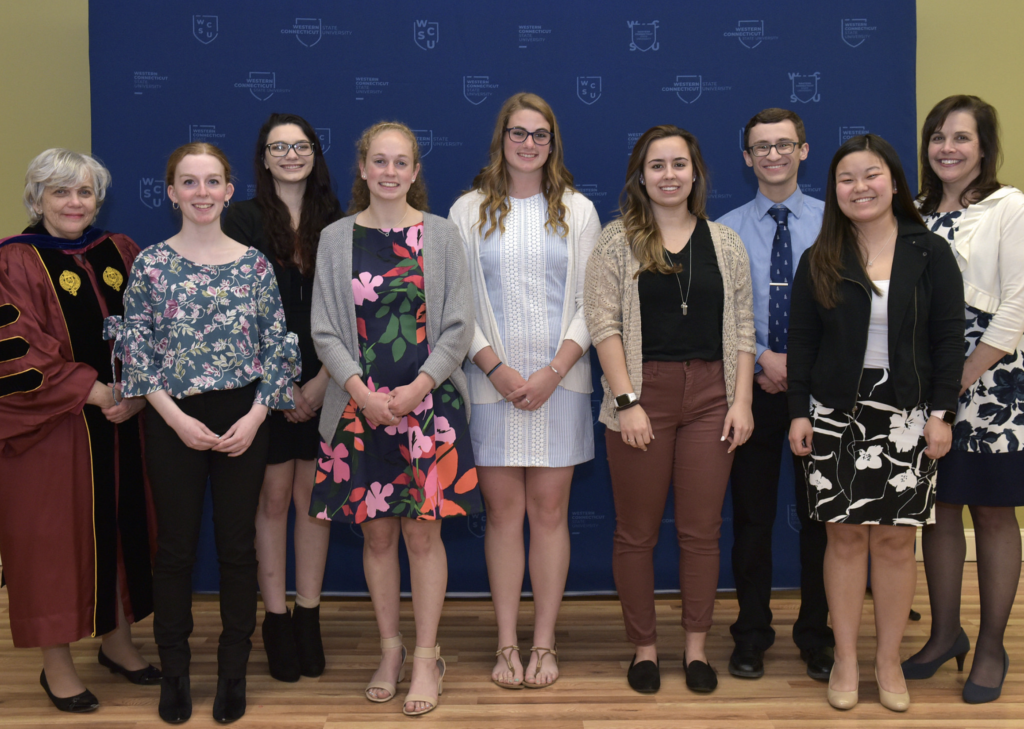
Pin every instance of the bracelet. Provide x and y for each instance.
(560, 375)
(493, 369)
(627, 407)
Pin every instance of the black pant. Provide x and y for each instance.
(178, 476)
(755, 493)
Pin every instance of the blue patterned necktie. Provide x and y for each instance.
(781, 274)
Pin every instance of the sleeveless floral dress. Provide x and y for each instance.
(421, 467)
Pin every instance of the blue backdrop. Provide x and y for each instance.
(167, 73)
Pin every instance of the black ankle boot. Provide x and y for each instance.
(279, 643)
(229, 705)
(175, 699)
(308, 642)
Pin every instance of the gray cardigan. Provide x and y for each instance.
(449, 297)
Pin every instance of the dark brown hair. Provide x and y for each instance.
(775, 115)
(991, 151)
(837, 231)
(493, 179)
(635, 204)
(417, 195)
(320, 206)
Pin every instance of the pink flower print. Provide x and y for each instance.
(420, 444)
(443, 431)
(334, 462)
(171, 310)
(376, 498)
(426, 404)
(261, 266)
(401, 427)
(414, 239)
(363, 287)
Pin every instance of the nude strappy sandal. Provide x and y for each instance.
(508, 660)
(431, 701)
(541, 654)
(391, 688)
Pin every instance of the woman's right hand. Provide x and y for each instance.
(193, 433)
(506, 381)
(636, 427)
(376, 409)
(800, 434)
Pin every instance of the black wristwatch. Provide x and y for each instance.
(624, 401)
(948, 416)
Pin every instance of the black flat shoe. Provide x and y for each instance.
(229, 705)
(308, 642)
(175, 699)
(746, 661)
(700, 677)
(79, 704)
(959, 650)
(644, 677)
(148, 676)
(819, 662)
(975, 694)
(279, 643)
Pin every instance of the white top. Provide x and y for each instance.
(876, 356)
(584, 229)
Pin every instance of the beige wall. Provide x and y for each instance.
(973, 48)
(44, 54)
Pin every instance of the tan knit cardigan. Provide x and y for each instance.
(611, 304)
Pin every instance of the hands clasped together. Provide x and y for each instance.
(525, 394)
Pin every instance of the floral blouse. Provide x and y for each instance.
(191, 328)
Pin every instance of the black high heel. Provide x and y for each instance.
(229, 704)
(975, 694)
(175, 699)
(148, 676)
(79, 704)
(308, 642)
(959, 650)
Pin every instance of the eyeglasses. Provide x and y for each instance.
(541, 137)
(763, 150)
(280, 149)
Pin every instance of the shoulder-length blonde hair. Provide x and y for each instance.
(635, 204)
(417, 195)
(493, 180)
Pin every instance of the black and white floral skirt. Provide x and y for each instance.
(868, 466)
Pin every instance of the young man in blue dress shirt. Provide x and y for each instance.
(777, 226)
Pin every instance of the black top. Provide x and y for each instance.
(243, 221)
(669, 335)
(926, 329)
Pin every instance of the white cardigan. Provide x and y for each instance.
(989, 248)
(584, 229)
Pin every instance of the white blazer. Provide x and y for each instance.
(584, 229)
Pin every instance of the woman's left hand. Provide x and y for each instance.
(739, 424)
(127, 408)
(938, 434)
(538, 388)
(406, 398)
(239, 436)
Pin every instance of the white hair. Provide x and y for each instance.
(59, 167)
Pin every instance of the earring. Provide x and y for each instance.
(364, 177)
(695, 178)
(174, 205)
(227, 202)
(642, 180)
(414, 179)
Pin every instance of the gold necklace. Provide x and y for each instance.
(689, 280)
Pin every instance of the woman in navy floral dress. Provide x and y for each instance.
(203, 339)
(983, 221)
(392, 321)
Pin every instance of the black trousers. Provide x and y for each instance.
(178, 476)
(755, 494)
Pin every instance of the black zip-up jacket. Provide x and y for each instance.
(926, 329)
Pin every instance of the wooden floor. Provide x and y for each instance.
(591, 694)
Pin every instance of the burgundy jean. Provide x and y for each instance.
(686, 403)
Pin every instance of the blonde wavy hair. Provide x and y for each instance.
(635, 204)
(417, 195)
(493, 180)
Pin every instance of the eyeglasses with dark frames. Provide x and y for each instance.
(541, 137)
(763, 150)
(281, 149)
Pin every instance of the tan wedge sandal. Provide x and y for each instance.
(391, 688)
(431, 701)
(541, 654)
(508, 660)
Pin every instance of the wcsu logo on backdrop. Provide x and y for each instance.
(805, 87)
(424, 140)
(425, 33)
(643, 36)
(205, 28)
(324, 135)
(588, 88)
(151, 192)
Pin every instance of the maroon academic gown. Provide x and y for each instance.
(75, 517)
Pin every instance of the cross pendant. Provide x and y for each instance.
(683, 307)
